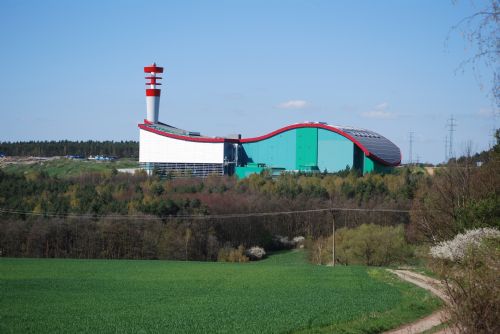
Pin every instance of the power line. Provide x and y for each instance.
(196, 217)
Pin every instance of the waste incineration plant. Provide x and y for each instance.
(302, 147)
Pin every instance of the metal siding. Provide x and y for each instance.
(157, 148)
(243, 172)
(368, 165)
(306, 148)
(335, 152)
(358, 158)
(277, 151)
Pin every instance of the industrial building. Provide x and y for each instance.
(304, 147)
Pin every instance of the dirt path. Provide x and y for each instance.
(430, 321)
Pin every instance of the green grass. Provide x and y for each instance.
(282, 294)
(67, 167)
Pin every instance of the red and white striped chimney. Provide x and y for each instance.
(152, 93)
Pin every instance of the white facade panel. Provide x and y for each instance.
(157, 148)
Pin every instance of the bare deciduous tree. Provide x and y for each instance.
(481, 31)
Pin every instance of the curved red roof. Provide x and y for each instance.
(198, 139)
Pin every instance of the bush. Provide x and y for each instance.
(299, 241)
(470, 266)
(367, 244)
(457, 248)
(282, 242)
(229, 254)
(255, 253)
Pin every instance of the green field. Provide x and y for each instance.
(69, 167)
(282, 294)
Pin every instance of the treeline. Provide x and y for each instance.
(173, 239)
(479, 157)
(120, 149)
(117, 215)
(460, 197)
(101, 194)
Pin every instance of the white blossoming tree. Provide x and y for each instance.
(470, 267)
(456, 249)
(255, 253)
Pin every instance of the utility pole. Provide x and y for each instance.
(451, 126)
(333, 239)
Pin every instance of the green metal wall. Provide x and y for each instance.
(359, 158)
(335, 152)
(245, 171)
(370, 166)
(277, 151)
(304, 149)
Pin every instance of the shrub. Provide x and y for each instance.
(367, 244)
(255, 253)
(456, 249)
(283, 242)
(299, 241)
(229, 254)
(470, 266)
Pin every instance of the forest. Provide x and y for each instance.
(119, 212)
(119, 149)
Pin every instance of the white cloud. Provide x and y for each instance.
(377, 114)
(382, 106)
(379, 111)
(488, 112)
(293, 104)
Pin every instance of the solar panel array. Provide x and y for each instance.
(378, 145)
(174, 130)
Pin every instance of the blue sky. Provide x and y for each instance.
(73, 69)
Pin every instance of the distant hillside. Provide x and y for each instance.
(62, 168)
(119, 149)
(480, 157)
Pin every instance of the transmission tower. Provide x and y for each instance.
(451, 128)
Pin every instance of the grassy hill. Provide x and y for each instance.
(281, 294)
(67, 167)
